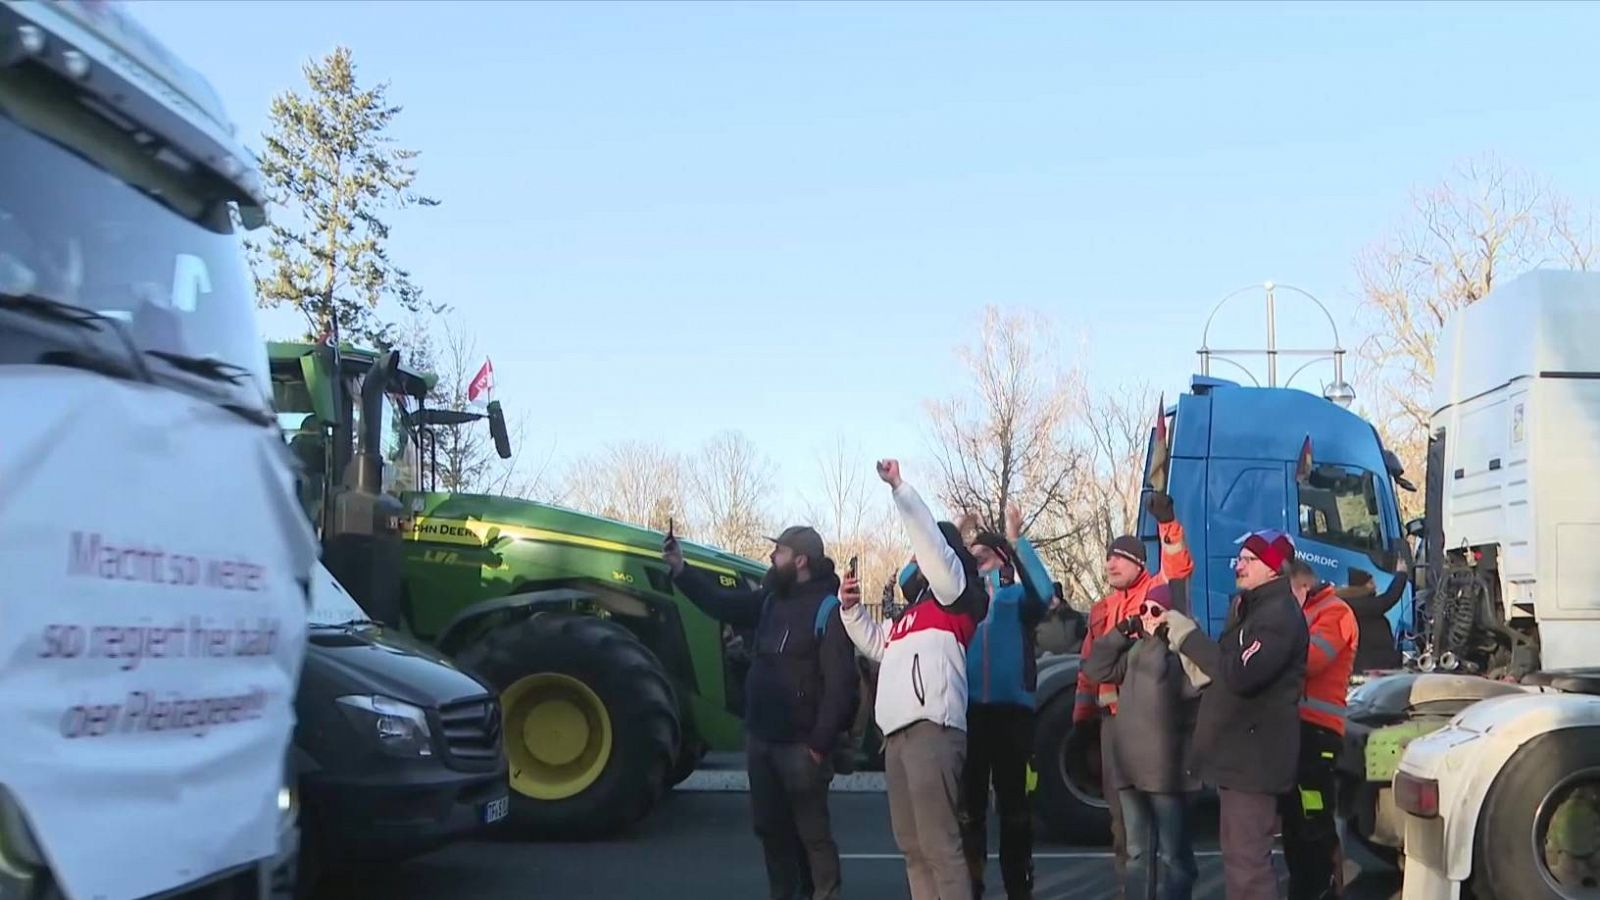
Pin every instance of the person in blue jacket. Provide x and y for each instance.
(1001, 679)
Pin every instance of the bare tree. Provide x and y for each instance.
(1487, 223)
(855, 515)
(1111, 431)
(731, 484)
(1006, 440)
(465, 454)
(633, 482)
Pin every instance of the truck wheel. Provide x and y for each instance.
(1068, 799)
(591, 722)
(1545, 806)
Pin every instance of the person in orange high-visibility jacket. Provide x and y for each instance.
(1095, 706)
(1310, 834)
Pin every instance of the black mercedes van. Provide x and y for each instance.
(397, 751)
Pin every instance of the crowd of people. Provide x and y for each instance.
(1257, 713)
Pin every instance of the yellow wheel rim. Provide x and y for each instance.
(557, 735)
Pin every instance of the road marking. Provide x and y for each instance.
(737, 781)
(1070, 854)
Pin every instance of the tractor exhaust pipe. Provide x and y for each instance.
(368, 464)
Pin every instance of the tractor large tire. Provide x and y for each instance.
(688, 759)
(591, 723)
(1068, 800)
(1546, 828)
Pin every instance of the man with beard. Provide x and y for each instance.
(800, 697)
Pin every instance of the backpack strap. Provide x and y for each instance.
(825, 609)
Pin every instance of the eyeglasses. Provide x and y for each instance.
(1152, 609)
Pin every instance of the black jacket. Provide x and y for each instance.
(799, 688)
(1375, 648)
(1247, 734)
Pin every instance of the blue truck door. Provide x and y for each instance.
(1244, 495)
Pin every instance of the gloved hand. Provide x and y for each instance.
(1131, 627)
(1160, 506)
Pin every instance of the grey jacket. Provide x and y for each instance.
(1156, 707)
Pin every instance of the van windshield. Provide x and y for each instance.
(101, 218)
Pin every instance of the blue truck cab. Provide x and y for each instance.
(1240, 459)
(1238, 465)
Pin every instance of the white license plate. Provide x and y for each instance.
(496, 810)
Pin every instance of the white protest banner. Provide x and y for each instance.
(154, 626)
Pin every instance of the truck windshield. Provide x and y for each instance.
(99, 217)
(1339, 506)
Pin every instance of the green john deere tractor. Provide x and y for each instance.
(612, 683)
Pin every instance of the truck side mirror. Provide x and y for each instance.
(497, 430)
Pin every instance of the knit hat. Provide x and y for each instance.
(1129, 548)
(1160, 595)
(998, 544)
(1270, 546)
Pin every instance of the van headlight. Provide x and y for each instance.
(399, 728)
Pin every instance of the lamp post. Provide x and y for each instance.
(1339, 391)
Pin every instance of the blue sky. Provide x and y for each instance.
(662, 219)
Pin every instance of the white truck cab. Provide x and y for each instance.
(156, 561)
(1503, 800)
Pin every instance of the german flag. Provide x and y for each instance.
(1160, 450)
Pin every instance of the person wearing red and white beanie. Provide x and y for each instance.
(1247, 734)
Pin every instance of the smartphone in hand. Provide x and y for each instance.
(855, 567)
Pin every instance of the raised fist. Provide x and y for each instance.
(889, 471)
(1161, 506)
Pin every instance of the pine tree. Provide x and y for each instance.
(332, 169)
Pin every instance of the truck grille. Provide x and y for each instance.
(472, 729)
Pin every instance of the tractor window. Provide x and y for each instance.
(395, 445)
(304, 435)
(400, 454)
(1339, 506)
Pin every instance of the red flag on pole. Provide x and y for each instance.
(481, 388)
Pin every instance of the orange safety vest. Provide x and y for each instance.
(1176, 564)
(1330, 659)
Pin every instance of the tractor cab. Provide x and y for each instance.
(362, 437)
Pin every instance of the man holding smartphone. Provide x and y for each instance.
(800, 697)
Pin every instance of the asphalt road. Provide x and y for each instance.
(698, 844)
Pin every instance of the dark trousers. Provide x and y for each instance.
(789, 802)
(1310, 833)
(999, 746)
(1164, 817)
(1108, 790)
(1249, 830)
